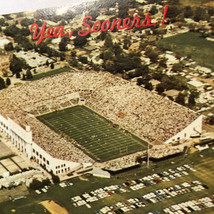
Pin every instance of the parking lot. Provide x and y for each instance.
(154, 197)
(179, 185)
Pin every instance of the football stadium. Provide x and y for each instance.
(76, 119)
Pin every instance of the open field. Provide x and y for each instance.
(49, 73)
(198, 3)
(53, 207)
(193, 45)
(13, 192)
(201, 161)
(98, 137)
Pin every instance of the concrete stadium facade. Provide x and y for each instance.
(21, 137)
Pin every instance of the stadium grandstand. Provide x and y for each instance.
(41, 119)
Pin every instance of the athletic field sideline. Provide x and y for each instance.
(95, 135)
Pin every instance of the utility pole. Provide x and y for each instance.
(148, 156)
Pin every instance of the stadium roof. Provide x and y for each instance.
(145, 114)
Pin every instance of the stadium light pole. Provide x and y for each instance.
(148, 156)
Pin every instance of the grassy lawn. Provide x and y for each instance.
(98, 137)
(194, 2)
(193, 45)
(202, 161)
(49, 73)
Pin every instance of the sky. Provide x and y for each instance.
(12, 6)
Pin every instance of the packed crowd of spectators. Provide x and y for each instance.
(165, 150)
(123, 162)
(145, 114)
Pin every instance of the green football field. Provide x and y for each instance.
(95, 135)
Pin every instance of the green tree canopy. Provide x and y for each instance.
(180, 99)
(2, 83)
(26, 22)
(80, 41)
(8, 82)
(9, 46)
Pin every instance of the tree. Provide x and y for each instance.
(18, 48)
(211, 120)
(171, 98)
(83, 59)
(200, 14)
(73, 62)
(117, 49)
(153, 10)
(123, 9)
(2, 83)
(8, 82)
(177, 67)
(12, 31)
(62, 57)
(108, 41)
(52, 65)
(173, 11)
(5, 72)
(127, 44)
(2, 22)
(142, 70)
(63, 43)
(157, 1)
(211, 11)
(80, 41)
(23, 77)
(140, 81)
(102, 35)
(148, 86)
(25, 32)
(36, 184)
(73, 53)
(152, 54)
(9, 46)
(24, 42)
(55, 178)
(160, 88)
(180, 99)
(162, 63)
(16, 65)
(18, 75)
(108, 55)
(158, 74)
(47, 62)
(39, 184)
(62, 46)
(94, 14)
(109, 66)
(62, 23)
(26, 22)
(188, 12)
(191, 100)
(29, 74)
